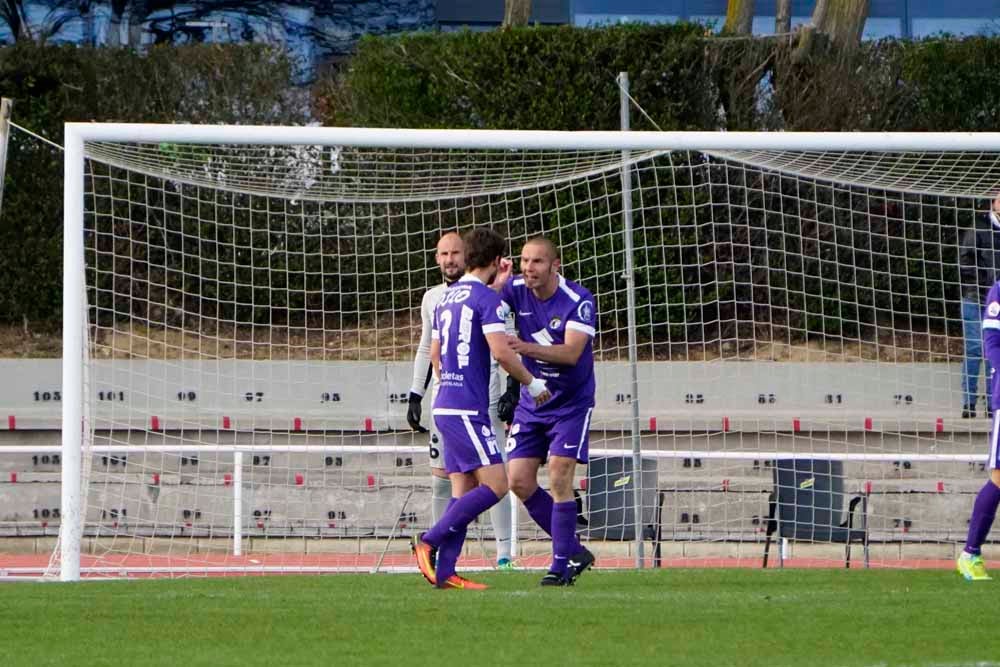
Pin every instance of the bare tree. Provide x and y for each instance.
(516, 12)
(739, 17)
(14, 13)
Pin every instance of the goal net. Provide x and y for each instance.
(780, 339)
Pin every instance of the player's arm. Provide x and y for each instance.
(436, 358)
(565, 354)
(505, 356)
(421, 366)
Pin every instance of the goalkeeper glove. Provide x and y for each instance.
(413, 412)
(508, 401)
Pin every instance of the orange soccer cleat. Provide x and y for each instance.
(455, 581)
(426, 555)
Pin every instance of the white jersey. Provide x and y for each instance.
(422, 362)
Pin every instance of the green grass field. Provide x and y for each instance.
(666, 617)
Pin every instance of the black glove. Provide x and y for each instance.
(508, 401)
(413, 413)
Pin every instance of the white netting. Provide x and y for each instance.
(928, 173)
(339, 174)
(265, 301)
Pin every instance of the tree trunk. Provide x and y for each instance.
(135, 27)
(87, 14)
(783, 17)
(130, 26)
(842, 21)
(113, 38)
(516, 12)
(16, 18)
(739, 18)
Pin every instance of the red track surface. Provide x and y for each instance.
(139, 565)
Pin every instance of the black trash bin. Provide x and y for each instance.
(610, 501)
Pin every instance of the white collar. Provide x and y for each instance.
(468, 278)
(995, 219)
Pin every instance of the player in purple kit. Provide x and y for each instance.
(468, 329)
(970, 562)
(555, 321)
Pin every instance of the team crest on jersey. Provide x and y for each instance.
(585, 311)
(555, 322)
(993, 309)
(502, 311)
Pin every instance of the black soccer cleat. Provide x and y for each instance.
(555, 579)
(578, 563)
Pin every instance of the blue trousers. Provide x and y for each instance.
(972, 329)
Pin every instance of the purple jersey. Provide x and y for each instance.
(468, 310)
(546, 322)
(991, 341)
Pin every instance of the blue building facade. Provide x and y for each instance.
(886, 18)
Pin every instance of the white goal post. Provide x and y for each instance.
(480, 173)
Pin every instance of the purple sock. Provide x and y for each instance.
(460, 514)
(450, 550)
(564, 542)
(983, 513)
(539, 506)
(448, 554)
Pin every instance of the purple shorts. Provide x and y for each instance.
(469, 441)
(994, 462)
(563, 435)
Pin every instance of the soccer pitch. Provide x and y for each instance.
(665, 617)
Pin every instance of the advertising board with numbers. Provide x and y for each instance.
(302, 395)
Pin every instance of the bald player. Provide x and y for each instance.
(450, 258)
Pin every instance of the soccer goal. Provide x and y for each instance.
(776, 312)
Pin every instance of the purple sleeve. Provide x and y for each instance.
(991, 326)
(507, 293)
(492, 312)
(435, 330)
(584, 316)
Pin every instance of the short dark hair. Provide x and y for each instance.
(482, 246)
(547, 242)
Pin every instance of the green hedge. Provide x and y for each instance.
(51, 85)
(706, 267)
(713, 268)
(563, 78)
(532, 79)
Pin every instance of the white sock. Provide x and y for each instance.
(500, 516)
(440, 497)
